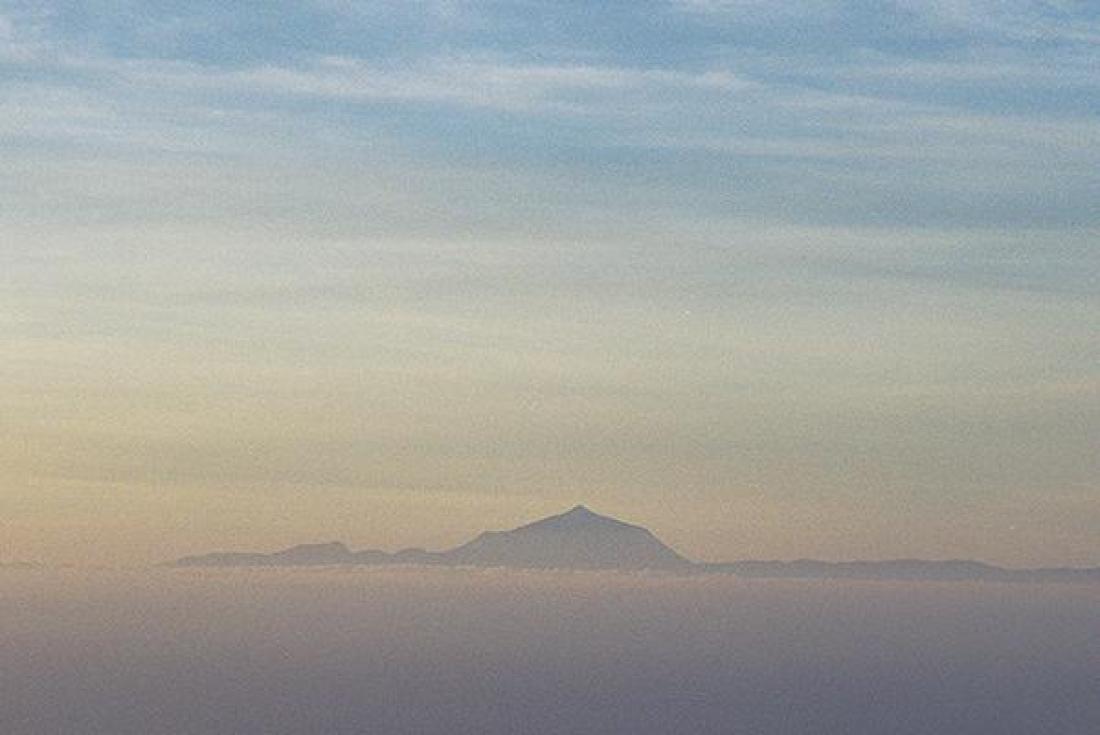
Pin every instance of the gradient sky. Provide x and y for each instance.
(811, 278)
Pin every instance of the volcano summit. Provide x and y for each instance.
(576, 539)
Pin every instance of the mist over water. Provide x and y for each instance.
(401, 650)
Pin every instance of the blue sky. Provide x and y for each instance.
(898, 113)
(814, 277)
(928, 114)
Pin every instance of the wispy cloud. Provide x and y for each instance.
(459, 80)
(1065, 21)
(17, 45)
(1018, 20)
(763, 12)
(997, 71)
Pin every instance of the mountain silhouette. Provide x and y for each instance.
(948, 570)
(576, 539)
(297, 556)
(582, 539)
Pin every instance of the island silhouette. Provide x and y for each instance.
(582, 539)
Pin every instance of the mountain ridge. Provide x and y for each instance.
(582, 539)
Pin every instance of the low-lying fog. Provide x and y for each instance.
(398, 650)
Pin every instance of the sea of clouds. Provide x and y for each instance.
(402, 650)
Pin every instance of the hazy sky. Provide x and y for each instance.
(812, 278)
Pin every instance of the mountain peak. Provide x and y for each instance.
(582, 513)
(576, 518)
(577, 538)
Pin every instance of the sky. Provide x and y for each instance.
(807, 279)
